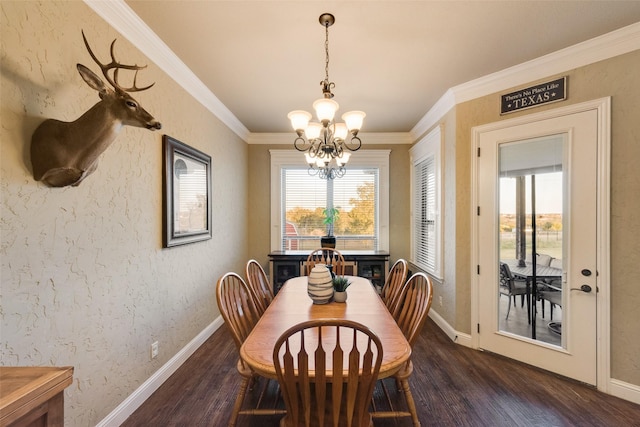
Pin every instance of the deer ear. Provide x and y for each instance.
(91, 78)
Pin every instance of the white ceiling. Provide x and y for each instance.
(392, 59)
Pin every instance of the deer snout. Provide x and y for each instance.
(154, 126)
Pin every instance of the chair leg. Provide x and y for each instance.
(509, 309)
(410, 402)
(239, 399)
(542, 303)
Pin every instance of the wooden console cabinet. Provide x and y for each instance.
(373, 265)
(33, 396)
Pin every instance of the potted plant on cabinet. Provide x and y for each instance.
(330, 216)
(340, 285)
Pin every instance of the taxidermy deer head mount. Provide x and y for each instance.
(65, 153)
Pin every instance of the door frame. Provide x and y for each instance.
(603, 317)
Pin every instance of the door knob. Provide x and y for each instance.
(583, 288)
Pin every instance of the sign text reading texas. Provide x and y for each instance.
(533, 96)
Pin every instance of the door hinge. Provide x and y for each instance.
(478, 268)
(478, 151)
(478, 211)
(478, 327)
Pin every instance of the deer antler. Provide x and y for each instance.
(116, 66)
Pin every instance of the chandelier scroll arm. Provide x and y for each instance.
(302, 144)
(353, 146)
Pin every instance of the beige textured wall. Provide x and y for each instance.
(84, 279)
(260, 199)
(618, 78)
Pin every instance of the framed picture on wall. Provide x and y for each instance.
(187, 194)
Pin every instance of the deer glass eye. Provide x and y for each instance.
(132, 104)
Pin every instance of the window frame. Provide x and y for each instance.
(429, 147)
(362, 159)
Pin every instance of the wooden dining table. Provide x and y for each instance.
(292, 306)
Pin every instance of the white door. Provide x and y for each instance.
(536, 192)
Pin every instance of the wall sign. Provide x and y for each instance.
(534, 96)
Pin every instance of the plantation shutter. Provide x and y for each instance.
(425, 214)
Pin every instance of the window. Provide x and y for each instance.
(426, 226)
(298, 199)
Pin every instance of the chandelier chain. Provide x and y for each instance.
(326, 52)
(324, 142)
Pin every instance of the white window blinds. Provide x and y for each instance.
(426, 225)
(425, 214)
(304, 197)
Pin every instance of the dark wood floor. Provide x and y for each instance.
(452, 386)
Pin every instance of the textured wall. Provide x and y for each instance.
(84, 279)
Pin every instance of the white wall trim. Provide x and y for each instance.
(142, 393)
(439, 109)
(626, 391)
(455, 336)
(615, 43)
(377, 138)
(124, 20)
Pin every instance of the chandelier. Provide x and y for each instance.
(324, 142)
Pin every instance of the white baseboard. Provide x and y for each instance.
(142, 393)
(455, 336)
(626, 391)
(617, 388)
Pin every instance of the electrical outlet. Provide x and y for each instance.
(154, 349)
(440, 300)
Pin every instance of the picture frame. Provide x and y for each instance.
(186, 182)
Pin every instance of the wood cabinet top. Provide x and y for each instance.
(23, 388)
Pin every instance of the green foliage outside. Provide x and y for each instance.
(360, 220)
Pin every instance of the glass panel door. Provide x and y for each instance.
(531, 185)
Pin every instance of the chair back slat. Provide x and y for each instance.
(259, 285)
(345, 357)
(327, 256)
(237, 306)
(393, 284)
(414, 305)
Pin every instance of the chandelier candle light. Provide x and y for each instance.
(324, 142)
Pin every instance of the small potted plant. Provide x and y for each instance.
(340, 285)
(330, 216)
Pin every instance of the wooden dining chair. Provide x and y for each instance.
(410, 315)
(327, 256)
(392, 287)
(259, 285)
(327, 370)
(240, 314)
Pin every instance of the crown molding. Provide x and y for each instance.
(124, 20)
(439, 109)
(379, 138)
(615, 43)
